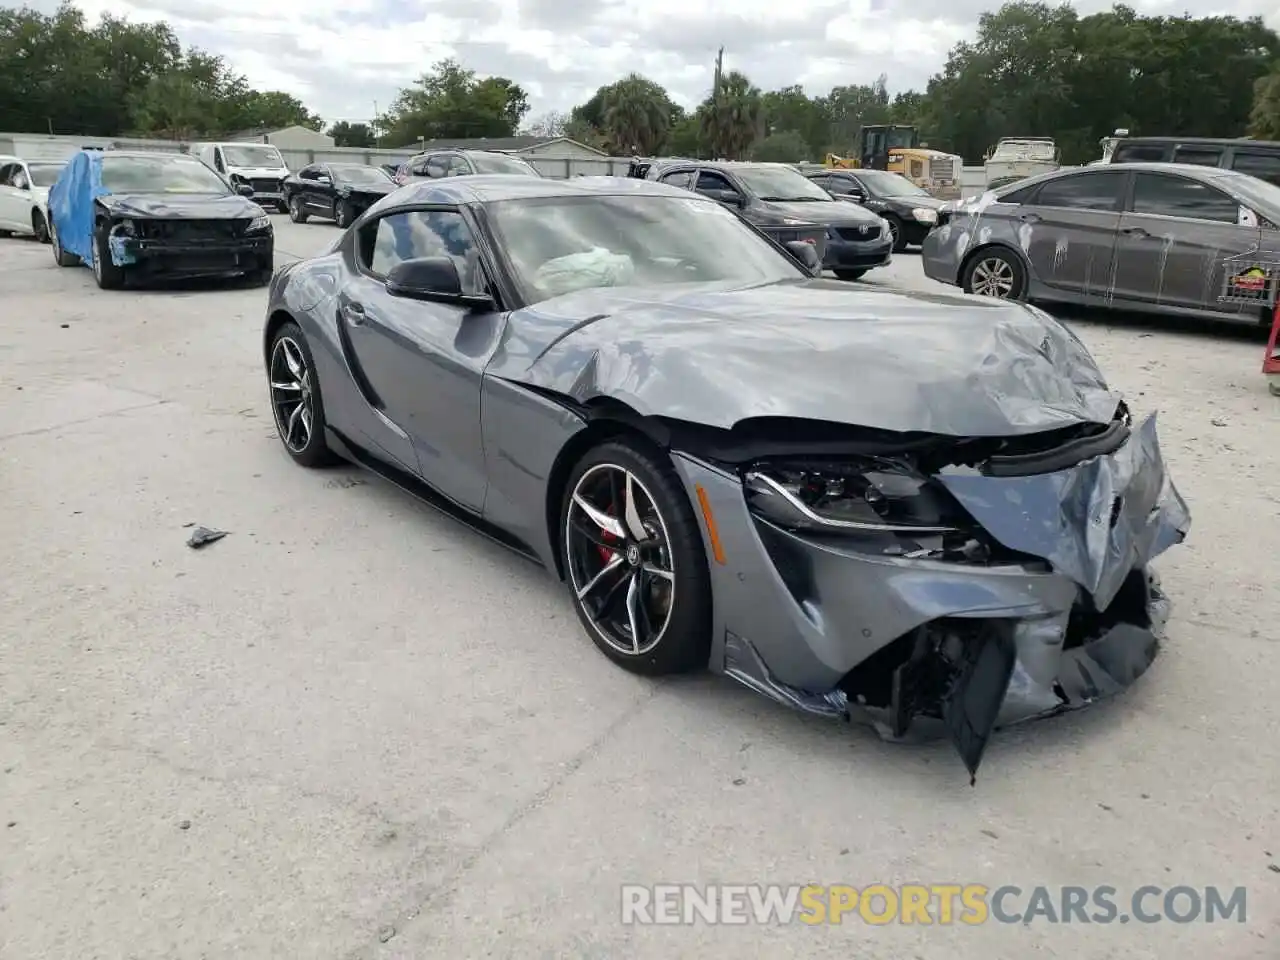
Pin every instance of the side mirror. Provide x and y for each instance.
(731, 197)
(435, 280)
(807, 254)
(245, 190)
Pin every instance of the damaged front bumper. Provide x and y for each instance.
(1066, 611)
(193, 258)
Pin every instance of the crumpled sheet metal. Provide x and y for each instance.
(1093, 522)
(813, 349)
(71, 202)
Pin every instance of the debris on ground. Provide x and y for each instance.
(1218, 422)
(203, 536)
(386, 933)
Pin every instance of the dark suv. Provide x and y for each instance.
(461, 163)
(778, 200)
(1257, 158)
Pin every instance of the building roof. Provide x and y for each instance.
(498, 144)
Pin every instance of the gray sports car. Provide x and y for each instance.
(925, 511)
(1175, 238)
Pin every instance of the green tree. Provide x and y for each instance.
(1264, 118)
(631, 115)
(732, 116)
(352, 134)
(685, 139)
(785, 146)
(450, 102)
(272, 109)
(791, 109)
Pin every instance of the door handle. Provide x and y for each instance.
(353, 313)
(1136, 232)
(1030, 218)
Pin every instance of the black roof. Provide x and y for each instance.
(1205, 141)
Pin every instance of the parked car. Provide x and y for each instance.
(780, 201)
(24, 195)
(1257, 158)
(1177, 238)
(909, 210)
(139, 216)
(732, 464)
(256, 165)
(436, 164)
(335, 191)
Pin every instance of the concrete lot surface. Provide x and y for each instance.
(353, 728)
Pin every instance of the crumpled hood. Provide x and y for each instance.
(820, 211)
(258, 173)
(180, 206)
(815, 349)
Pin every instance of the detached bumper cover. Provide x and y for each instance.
(195, 258)
(811, 622)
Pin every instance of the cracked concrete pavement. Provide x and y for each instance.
(354, 729)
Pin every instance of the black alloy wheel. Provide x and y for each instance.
(896, 232)
(296, 403)
(297, 212)
(634, 561)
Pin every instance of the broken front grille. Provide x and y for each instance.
(261, 185)
(192, 231)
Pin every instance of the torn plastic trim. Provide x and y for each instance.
(119, 236)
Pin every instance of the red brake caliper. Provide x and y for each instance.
(605, 553)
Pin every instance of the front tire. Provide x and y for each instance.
(850, 274)
(39, 226)
(107, 275)
(994, 273)
(634, 560)
(297, 212)
(296, 403)
(898, 233)
(342, 214)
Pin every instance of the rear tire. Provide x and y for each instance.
(292, 383)
(39, 227)
(297, 212)
(655, 588)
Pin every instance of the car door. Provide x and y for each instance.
(844, 186)
(422, 362)
(323, 191)
(11, 198)
(1176, 239)
(682, 178)
(1067, 229)
(715, 185)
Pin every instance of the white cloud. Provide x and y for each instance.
(342, 56)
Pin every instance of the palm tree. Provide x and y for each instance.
(637, 115)
(731, 118)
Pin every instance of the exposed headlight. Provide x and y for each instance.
(258, 224)
(869, 496)
(925, 215)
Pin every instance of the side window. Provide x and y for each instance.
(418, 168)
(6, 173)
(18, 177)
(1169, 196)
(1201, 156)
(437, 166)
(1140, 153)
(457, 166)
(824, 181)
(710, 180)
(681, 178)
(1264, 166)
(307, 173)
(1018, 196)
(422, 233)
(1088, 191)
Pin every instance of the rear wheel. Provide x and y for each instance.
(634, 560)
(850, 274)
(297, 212)
(296, 403)
(39, 226)
(994, 273)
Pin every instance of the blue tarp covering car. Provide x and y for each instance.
(71, 203)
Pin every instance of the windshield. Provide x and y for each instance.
(44, 174)
(560, 244)
(902, 137)
(251, 156)
(359, 173)
(890, 184)
(495, 163)
(780, 183)
(160, 175)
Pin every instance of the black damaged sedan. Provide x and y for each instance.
(146, 216)
(336, 191)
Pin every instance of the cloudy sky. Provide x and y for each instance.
(341, 57)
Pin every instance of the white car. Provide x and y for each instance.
(24, 195)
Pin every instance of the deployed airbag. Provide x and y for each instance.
(581, 271)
